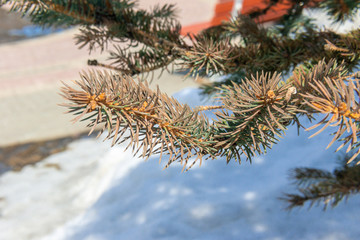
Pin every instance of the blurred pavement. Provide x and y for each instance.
(31, 72)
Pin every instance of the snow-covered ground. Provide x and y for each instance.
(93, 192)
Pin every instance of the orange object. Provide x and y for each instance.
(272, 14)
(224, 8)
(222, 11)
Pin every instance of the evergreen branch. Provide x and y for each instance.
(257, 50)
(80, 10)
(207, 57)
(305, 177)
(256, 112)
(119, 17)
(151, 121)
(25, 7)
(141, 61)
(260, 49)
(207, 108)
(340, 10)
(278, 54)
(159, 124)
(305, 74)
(56, 12)
(166, 12)
(319, 186)
(287, 52)
(347, 46)
(94, 37)
(129, 68)
(248, 29)
(335, 96)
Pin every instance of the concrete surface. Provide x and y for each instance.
(31, 71)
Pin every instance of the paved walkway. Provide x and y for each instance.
(31, 71)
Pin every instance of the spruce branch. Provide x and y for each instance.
(340, 10)
(55, 13)
(151, 121)
(217, 50)
(95, 37)
(155, 123)
(318, 186)
(141, 61)
(305, 74)
(260, 49)
(330, 91)
(207, 57)
(255, 114)
(119, 19)
(247, 28)
(347, 46)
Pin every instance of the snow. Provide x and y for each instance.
(97, 193)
